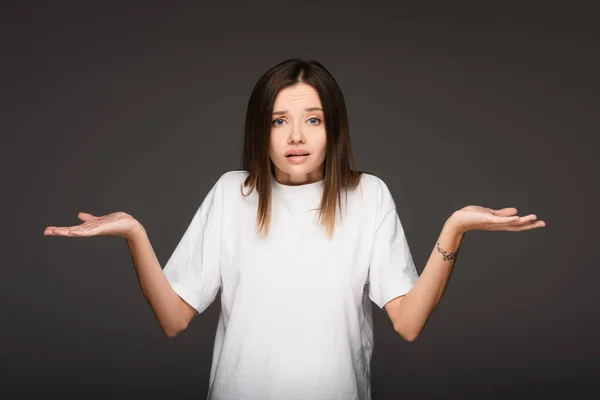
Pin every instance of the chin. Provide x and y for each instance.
(297, 170)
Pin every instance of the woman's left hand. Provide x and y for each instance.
(487, 219)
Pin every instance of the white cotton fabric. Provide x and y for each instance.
(296, 311)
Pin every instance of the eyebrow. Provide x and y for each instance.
(306, 109)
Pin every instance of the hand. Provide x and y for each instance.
(487, 219)
(117, 223)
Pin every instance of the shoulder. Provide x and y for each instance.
(377, 192)
(232, 178)
(230, 183)
(374, 184)
(219, 196)
(370, 181)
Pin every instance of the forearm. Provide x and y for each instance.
(420, 302)
(157, 290)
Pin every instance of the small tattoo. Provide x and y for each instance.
(451, 256)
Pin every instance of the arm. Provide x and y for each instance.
(173, 314)
(409, 313)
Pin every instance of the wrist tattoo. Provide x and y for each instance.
(447, 256)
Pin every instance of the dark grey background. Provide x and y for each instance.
(139, 107)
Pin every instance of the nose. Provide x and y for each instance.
(296, 135)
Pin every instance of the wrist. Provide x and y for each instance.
(453, 227)
(135, 232)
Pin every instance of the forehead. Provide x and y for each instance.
(299, 95)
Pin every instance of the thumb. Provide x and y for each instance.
(85, 216)
(504, 212)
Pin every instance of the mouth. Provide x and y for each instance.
(297, 155)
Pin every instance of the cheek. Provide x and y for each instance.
(275, 148)
(324, 142)
(272, 140)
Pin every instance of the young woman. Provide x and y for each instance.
(299, 243)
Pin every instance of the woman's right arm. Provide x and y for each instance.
(172, 312)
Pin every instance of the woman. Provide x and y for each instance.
(299, 243)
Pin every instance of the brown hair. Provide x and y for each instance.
(339, 172)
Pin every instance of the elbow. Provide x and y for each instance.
(170, 332)
(410, 335)
(410, 338)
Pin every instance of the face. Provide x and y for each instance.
(298, 125)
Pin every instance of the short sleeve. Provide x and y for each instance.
(392, 271)
(194, 268)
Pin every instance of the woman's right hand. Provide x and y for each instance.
(117, 224)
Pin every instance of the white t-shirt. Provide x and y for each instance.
(296, 319)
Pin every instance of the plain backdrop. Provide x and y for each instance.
(139, 107)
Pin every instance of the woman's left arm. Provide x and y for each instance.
(409, 313)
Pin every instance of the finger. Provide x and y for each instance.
(63, 230)
(83, 227)
(48, 230)
(524, 220)
(86, 216)
(498, 219)
(529, 218)
(531, 225)
(51, 231)
(524, 223)
(57, 231)
(87, 225)
(515, 220)
(526, 227)
(76, 231)
(81, 232)
(504, 212)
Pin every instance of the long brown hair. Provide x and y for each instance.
(339, 172)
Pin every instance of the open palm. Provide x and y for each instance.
(487, 219)
(117, 223)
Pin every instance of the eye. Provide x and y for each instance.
(315, 119)
(277, 120)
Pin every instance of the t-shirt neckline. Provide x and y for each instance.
(307, 188)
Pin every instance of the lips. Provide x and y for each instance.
(296, 152)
